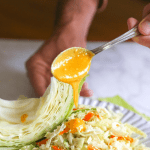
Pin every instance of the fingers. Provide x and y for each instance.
(131, 22)
(38, 83)
(144, 29)
(146, 10)
(143, 40)
(144, 26)
(102, 5)
(85, 91)
(39, 74)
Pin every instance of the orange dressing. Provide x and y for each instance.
(23, 118)
(71, 66)
(57, 148)
(74, 126)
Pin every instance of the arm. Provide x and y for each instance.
(73, 19)
(76, 12)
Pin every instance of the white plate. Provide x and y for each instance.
(128, 116)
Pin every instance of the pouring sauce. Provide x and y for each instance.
(71, 66)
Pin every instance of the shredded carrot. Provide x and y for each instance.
(129, 139)
(123, 138)
(56, 148)
(23, 118)
(110, 143)
(64, 131)
(88, 116)
(41, 142)
(77, 108)
(91, 147)
(120, 138)
(98, 116)
(126, 138)
(112, 136)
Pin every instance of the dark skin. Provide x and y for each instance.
(74, 18)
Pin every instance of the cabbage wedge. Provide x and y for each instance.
(44, 114)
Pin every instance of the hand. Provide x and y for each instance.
(73, 19)
(39, 65)
(143, 27)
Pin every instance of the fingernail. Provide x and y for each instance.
(144, 26)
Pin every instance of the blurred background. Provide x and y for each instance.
(34, 19)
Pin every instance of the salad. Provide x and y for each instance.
(24, 123)
(89, 128)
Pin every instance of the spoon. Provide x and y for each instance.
(128, 35)
(73, 64)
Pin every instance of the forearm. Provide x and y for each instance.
(73, 19)
(76, 13)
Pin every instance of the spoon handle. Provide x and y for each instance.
(128, 35)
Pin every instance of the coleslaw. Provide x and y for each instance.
(89, 128)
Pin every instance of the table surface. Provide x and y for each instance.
(122, 70)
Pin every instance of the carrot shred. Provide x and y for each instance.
(129, 139)
(41, 142)
(123, 138)
(98, 116)
(88, 116)
(64, 131)
(56, 148)
(112, 136)
(77, 108)
(91, 147)
(120, 138)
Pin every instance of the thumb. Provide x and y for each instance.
(144, 26)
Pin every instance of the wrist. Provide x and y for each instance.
(72, 29)
(63, 38)
(71, 35)
(78, 14)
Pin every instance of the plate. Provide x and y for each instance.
(128, 116)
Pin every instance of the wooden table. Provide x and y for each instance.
(33, 19)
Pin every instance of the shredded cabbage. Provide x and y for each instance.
(104, 131)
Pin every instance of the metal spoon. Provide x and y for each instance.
(128, 35)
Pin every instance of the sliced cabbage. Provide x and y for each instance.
(78, 143)
(44, 114)
(28, 147)
(8, 148)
